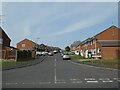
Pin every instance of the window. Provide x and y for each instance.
(99, 50)
(94, 51)
(23, 45)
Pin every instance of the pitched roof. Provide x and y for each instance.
(94, 37)
(13, 47)
(2, 31)
(106, 30)
(27, 40)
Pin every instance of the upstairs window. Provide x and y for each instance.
(23, 45)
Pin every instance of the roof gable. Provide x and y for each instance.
(3, 32)
(26, 40)
(112, 27)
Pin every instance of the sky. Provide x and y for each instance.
(57, 23)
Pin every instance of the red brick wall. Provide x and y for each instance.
(111, 33)
(28, 45)
(5, 38)
(6, 41)
(110, 52)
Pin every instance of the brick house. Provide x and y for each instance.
(4, 43)
(26, 44)
(4, 40)
(6, 51)
(104, 45)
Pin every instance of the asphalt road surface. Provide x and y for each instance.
(53, 72)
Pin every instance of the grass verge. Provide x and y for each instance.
(76, 57)
(110, 63)
(8, 63)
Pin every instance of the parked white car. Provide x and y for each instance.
(38, 53)
(44, 53)
(50, 53)
(66, 57)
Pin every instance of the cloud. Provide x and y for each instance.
(43, 19)
(97, 15)
(85, 23)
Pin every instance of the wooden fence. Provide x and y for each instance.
(17, 54)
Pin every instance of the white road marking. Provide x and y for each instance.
(108, 81)
(45, 83)
(73, 79)
(92, 81)
(55, 72)
(55, 63)
(27, 83)
(89, 78)
(77, 82)
(105, 80)
(115, 78)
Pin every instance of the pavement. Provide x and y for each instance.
(54, 72)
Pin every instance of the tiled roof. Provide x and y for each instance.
(107, 29)
(94, 37)
(27, 40)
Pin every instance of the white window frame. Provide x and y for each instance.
(23, 45)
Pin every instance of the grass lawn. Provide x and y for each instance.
(76, 57)
(104, 61)
(112, 63)
(14, 63)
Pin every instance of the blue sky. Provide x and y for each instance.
(57, 23)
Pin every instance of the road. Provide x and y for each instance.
(53, 72)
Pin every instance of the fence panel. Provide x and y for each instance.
(17, 54)
(11, 54)
(24, 55)
(2, 54)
